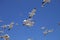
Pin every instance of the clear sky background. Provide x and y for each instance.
(18, 10)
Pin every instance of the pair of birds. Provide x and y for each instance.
(29, 22)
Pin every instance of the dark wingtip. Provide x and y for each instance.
(43, 2)
(29, 17)
(34, 8)
(8, 29)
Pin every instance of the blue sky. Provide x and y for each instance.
(18, 10)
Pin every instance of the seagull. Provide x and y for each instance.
(45, 32)
(5, 37)
(45, 2)
(28, 22)
(11, 25)
(32, 13)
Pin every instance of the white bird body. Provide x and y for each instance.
(28, 22)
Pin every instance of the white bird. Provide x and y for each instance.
(28, 22)
(45, 32)
(32, 13)
(45, 2)
(5, 37)
(11, 25)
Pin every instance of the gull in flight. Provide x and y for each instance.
(32, 13)
(45, 2)
(28, 22)
(5, 37)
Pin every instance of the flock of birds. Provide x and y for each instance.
(27, 22)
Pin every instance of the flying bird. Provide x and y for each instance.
(28, 22)
(47, 31)
(11, 25)
(5, 37)
(45, 2)
(32, 13)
